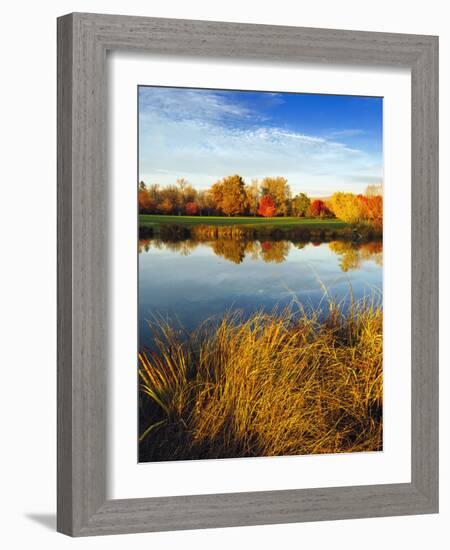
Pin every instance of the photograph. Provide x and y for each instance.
(233, 283)
(260, 273)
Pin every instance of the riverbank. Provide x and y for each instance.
(286, 383)
(211, 227)
(282, 223)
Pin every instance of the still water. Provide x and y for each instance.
(189, 281)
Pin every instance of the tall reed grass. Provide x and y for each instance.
(286, 383)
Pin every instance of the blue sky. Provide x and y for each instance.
(320, 143)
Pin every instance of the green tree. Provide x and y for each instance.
(300, 205)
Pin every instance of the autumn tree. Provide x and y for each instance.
(371, 208)
(206, 202)
(346, 207)
(191, 209)
(300, 205)
(319, 209)
(253, 196)
(186, 193)
(267, 207)
(182, 184)
(146, 204)
(230, 196)
(278, 188)
(166, 206)
(170, 201)
(374, 190)
(190, 194)
(154, 193)
(376, 210)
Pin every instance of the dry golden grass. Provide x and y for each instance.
(285, 383)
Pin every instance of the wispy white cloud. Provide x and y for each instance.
(205, 136)
(347, 132)
(189, 104)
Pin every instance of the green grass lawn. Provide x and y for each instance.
(151, 220)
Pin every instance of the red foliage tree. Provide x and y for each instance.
(372, 209)
(191, 209)
(267, 207)
(319, 209)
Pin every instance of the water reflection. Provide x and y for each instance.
(351, 255)
(189, 281)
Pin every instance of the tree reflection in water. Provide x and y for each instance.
(351, 255)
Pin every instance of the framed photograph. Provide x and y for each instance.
(247, 274)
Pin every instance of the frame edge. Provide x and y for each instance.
(64, 274)
(82, 506)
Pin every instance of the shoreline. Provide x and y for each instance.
(296, 233)
(271, 385)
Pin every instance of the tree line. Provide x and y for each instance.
(270, 197)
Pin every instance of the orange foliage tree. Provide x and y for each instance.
(229, 195)
(146, 205)
(372, 209)
(267, 207)
(166, 207)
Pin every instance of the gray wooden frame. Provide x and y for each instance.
(83, 40)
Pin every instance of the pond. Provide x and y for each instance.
(188, 281)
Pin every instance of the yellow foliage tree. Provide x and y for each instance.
(346, 207)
